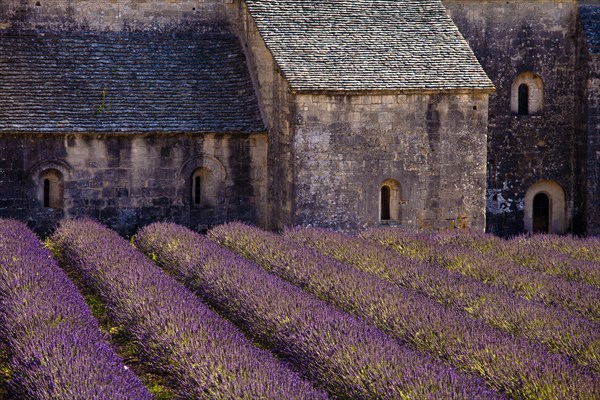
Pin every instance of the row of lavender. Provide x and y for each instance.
(555, 328)
(344, 354)
(514, 366)
(527, 270)
(582, 249)
(56, 348)
(176, 333)
(573, 258)
(347, 357)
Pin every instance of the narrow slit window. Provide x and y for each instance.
(200, 181)
(51, 189)
(385, 203)
(46, 192)
(197, 190)
(523, 99)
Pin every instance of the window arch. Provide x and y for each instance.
(385, 203)
(51, 188)
(541, 213)
(202, 184)
(523, 99)
(210, 185)
(197, 185)
(389, 201)
(545, 208)
(527, 94)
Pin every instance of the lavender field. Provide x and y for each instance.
(241, 313)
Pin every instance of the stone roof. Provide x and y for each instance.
(133, 82)
(590, 16)
(357, 45)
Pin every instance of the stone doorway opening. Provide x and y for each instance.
(541, 213)
(546, 208)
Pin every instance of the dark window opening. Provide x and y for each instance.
(51, 189)
(385, 203)
(46, 192)
(541, 213)
(197, 196)
(523, 99)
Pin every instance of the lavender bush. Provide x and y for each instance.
(494, 271)
(566, 256)
(347, 356)
(205, 355)
(586, 249)
(57, 350)
(511, 365)
(558, 330)
(542, 253)
(472, 239)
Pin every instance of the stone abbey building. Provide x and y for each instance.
(426, 114)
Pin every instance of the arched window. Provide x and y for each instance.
(51, 188)
(385, 203)
(541, 213)
(46, 192)
(202, 184)
(545, 208)
(527, 94)
(197, 190)
(202, 188)
(389, 201)
(523, 99)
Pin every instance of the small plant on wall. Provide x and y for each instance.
(102, 107)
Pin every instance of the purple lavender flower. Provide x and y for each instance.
(511, 365)
(563, 256)
(492, 269)
(57, 350)
(177, 334)
(558, 330)
(346, 355)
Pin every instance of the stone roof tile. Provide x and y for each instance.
(358, 45)
(133, 82)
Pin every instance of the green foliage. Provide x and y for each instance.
(5, 371)
(54, 249)
(160, 391)
(102, 107)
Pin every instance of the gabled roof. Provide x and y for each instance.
(132, 82)
(590, 16)
(355, 45)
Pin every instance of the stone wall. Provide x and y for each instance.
(115, 15)
(433, 146)
(274, 99)
(510, 38)
(593, 142)
(128, 181)
(330, 154)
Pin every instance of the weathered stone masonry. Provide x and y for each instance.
(338, 134)
(121, 105)
(589, 100)
(282, 112)
(433, 146)
(273, 93)
(130, 181)
(547, 147)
